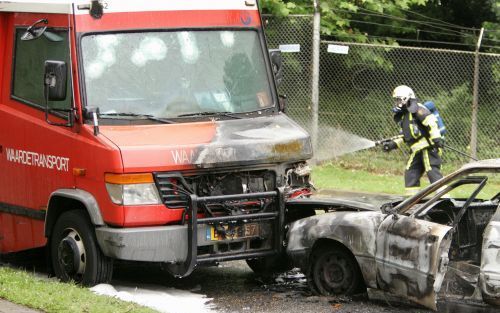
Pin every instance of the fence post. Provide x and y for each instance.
(475, 96)
(315, 77)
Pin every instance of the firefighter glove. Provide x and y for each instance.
(438, 142)
(389, 145)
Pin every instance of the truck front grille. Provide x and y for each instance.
(174, 190)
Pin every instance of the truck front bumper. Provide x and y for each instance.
(169, 244)
(150, 244)
(184, 246)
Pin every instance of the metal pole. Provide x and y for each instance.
(315, 78)
(475, 96)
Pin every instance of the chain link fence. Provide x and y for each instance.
(356, 82)
(297, 85)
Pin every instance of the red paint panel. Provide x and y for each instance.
(160, 134)
(158, 144)
(97, 155)
(150, 215)
(23, 233)
(3, 38)
(55, 20)
(74, 72)
(168, 19)
(7, 239)
(38, 228)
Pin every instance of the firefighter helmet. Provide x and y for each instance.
(402, 95)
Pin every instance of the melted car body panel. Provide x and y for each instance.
(355, 230)
(411, 258)
(489, 277)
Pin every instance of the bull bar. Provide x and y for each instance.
(185, 268)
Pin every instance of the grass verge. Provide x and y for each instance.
(51, 296)
(378, 172)
(368, 171)
(334, 176)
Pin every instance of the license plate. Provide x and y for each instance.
(234, 232)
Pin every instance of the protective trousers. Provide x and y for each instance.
(426, 160)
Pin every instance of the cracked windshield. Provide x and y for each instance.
(168, 74)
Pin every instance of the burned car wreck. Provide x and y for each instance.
(443, 242)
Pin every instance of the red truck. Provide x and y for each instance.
(143, 130)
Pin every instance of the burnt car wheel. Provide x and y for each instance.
(74, 251)
(333, 271)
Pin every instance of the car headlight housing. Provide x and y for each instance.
(132, 189)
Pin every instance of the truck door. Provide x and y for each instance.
(411, 258)
(34, 156)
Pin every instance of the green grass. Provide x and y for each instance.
(51, 296)
(367, 171)
(336, 177)
(377, 172)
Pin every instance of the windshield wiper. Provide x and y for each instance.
(209, 113)
(129, 114)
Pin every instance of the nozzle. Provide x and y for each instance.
(381, 141)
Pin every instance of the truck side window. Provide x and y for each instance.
(30, 57)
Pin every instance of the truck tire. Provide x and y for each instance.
(267, 266)
(74, 251)
(333, 271)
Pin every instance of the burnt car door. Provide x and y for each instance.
(412, 251)
(411, 258)
(489, 277)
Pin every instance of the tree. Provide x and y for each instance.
(400, 21)
(340, 18)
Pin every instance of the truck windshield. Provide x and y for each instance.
(177, 73)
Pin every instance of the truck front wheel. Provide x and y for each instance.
(74, 251)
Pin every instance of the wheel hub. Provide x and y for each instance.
(335, 274)
(71, 254)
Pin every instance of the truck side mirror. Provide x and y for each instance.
(277, 65)
(35, 30)
(55, 80)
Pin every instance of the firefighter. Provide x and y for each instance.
(420, 132)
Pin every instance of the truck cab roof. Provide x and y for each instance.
(115, 6)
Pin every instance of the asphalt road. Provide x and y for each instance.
(235, 288)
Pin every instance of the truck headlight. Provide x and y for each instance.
(132, 189)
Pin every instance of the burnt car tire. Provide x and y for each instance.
(75, 255)
(268, 266)
(333, 271)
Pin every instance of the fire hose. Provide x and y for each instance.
(381, 142)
